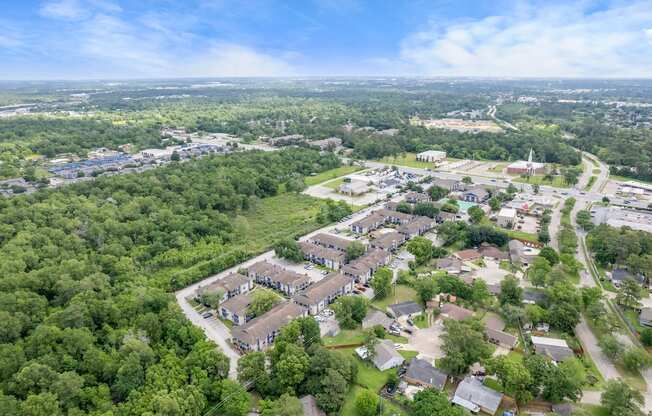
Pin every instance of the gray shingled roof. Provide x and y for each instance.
(472, 390)
(426, 373)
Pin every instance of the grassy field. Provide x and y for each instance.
(401, 293)
(625, 179)
(499, 168)
(557, 181)
(331, 174)
(278, 217)
(408, 159)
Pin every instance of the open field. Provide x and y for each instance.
(401, 293)
(282, 216)
(331, 174)
(557, 181)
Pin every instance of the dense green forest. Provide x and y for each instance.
(87, 321)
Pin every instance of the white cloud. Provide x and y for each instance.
(64, 9)
(106, 44)
(232, 60)
(548, 41)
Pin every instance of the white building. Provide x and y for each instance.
(431, 156)
(354, 188)
(507, 217)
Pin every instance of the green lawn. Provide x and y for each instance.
(592, 180)
(334, 184)
(557, 181)
(408, 159)
(521, 234)
(331, 174)
(355, 336)
(421, 321)
(401, 293)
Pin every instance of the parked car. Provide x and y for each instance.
(207, 315)
(324, 272)
(395, 332)
(410, 321)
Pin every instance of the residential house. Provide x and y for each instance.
(376, 317)
(416, 197)
(506, 218)
(553, 348)
(385, 356)
(492, 252)
(389, 241)
(618, 275)
(422, 373)
(418, 226)
(235, 309)
(520, 254)
(474, 396)
(531, 297)
(230, 285)
(645, 318)
(331, 241)
(259, 333)
(318, 296)
(364, 267)
(476, 194)
(452, 265)
(408, 308)
(500, 338)
(444, 216)
(452, 311)
(467, 255)
(333, 259)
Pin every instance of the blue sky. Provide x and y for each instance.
(87, 39)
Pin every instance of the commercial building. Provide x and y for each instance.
(431, 156)
(506, 218)
(354, 188)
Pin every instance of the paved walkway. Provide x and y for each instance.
(590, 342)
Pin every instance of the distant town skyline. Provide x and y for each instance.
(117, 39)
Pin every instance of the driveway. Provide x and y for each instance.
(427, 341)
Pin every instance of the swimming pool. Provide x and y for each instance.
(464, 205)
